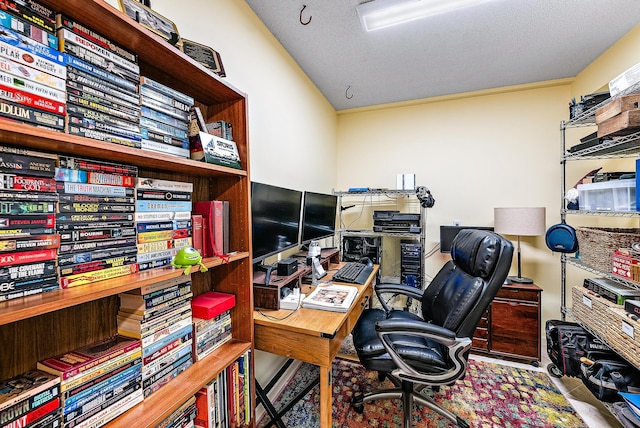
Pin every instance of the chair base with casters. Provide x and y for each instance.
(431, 349)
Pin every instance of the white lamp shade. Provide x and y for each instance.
(520, 221)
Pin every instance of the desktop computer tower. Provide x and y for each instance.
(411, 263)
(356, 247)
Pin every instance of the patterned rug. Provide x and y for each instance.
(491, 395)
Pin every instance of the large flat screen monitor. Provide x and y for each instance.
(318, 216)
(448, 233)
(275, 214)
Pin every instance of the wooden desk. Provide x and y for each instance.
(312, 336)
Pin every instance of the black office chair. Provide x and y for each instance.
(417, 352)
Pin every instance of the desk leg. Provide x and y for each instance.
(325, 396)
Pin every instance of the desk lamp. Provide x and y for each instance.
(520, 222)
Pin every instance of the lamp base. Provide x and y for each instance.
(519, 280)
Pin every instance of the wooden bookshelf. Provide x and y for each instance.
(41, 326)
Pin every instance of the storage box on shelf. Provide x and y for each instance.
(38, 327)
(613, 195)
(623, 334)
(591, 309)
(598, 244)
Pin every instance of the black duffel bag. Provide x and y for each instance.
(606, 377)
(567, 343)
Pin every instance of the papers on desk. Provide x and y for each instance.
(334, 297)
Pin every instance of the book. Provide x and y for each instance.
(334, 297)
(84, 358)
(197, 232)
(211, 304)
(25, 385)
(213, 230)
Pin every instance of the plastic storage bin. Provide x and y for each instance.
(614, 195)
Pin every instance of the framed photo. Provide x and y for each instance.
(204, 55)
(150, 19)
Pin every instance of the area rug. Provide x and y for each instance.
(491, 395)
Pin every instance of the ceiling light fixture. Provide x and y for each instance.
(385, 13)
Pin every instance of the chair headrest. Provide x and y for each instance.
(476, 251)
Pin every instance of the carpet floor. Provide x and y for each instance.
(491, 395)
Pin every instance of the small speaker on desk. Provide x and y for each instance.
(287, 267)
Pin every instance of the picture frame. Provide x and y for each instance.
(205, 55)
(150, 19)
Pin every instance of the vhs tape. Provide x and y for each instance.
(25, 72)
(31, 270)
(27, 183)
(37, 242)
(30, 100)
(28, 221)
(102, 136)
(95, 234)
(163, 89)
(152, 146)
(27, 164)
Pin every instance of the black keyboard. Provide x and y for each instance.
(353, 272)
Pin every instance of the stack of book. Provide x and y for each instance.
(163, 220)
(30, 399)
(183, 416)
(160, 316)
(98, 382)
(226, 400)
(215, 227)
(95, 220)
(164, 118)
(211, 322)
(28, 238)
(33, 70)
(102, 85)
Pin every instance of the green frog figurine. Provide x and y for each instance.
(186, 258)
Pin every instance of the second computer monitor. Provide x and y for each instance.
(318, 216)
(448, 233)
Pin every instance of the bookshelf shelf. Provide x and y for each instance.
(48, 324)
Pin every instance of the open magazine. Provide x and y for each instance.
(334, 297)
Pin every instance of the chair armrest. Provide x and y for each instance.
(457, 349)
(402, 289)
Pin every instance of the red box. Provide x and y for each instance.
(211, 304)
(621, 264)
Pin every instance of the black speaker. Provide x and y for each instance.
(287, 267)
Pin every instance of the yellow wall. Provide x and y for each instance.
(473, 151)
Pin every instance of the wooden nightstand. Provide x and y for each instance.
(511, 325)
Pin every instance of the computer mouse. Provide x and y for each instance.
(367, 261)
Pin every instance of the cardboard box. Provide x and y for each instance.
(621, 264)
(211, 304)
(617, 106)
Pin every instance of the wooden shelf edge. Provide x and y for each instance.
(160, 404)
(27, 307)
(60, 142)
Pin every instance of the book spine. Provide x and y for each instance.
(163, 118)
(166, 332)
(74, 401)
(157, 255)
(165, 349)
(151, 94)
(92, 217)
(15, 39)
(103, 136)
(167, 109)
(163, 235)
(30, 100)
(104, 99)
(97, 265)
(124, 200)
(152, 264)
(31, 115)
(92, 189)
(129, 358)
(184, 333)
(28, 291)
(158, 137)
(95, 256)
(19, 196)
(163, 225)
(101, 418)
(38, 242)
(100, 275)
(80, 207)
(98, 166)
(77, 28)
(86, 123)
(161, 216)
(28, 404)
(27, 183)
(24, 28)
(25, 232)
(197, 232)
(30, 221)
(30, 74)
(151, 205)
(73, 101)
(31, 8)
(33, 415)
(28, 271)
(155, 184)
(152, 146)
(17, 208)
(152, 247)
(33, 60)
(179, 353)
(69, 36)
(27, 86)
(102, 402)
(165, 90)
(120, 82)
(25, 164)
(79, 80)
(162, 195)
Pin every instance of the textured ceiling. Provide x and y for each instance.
(493, 44)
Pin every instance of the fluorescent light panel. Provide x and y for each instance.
(385, 13)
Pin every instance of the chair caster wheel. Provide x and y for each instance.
(358, 403)
(554, 370)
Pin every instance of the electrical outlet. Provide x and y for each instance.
(457, 222)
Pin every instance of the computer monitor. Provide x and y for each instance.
(318, 216)
(275, 215)
(448, 233)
